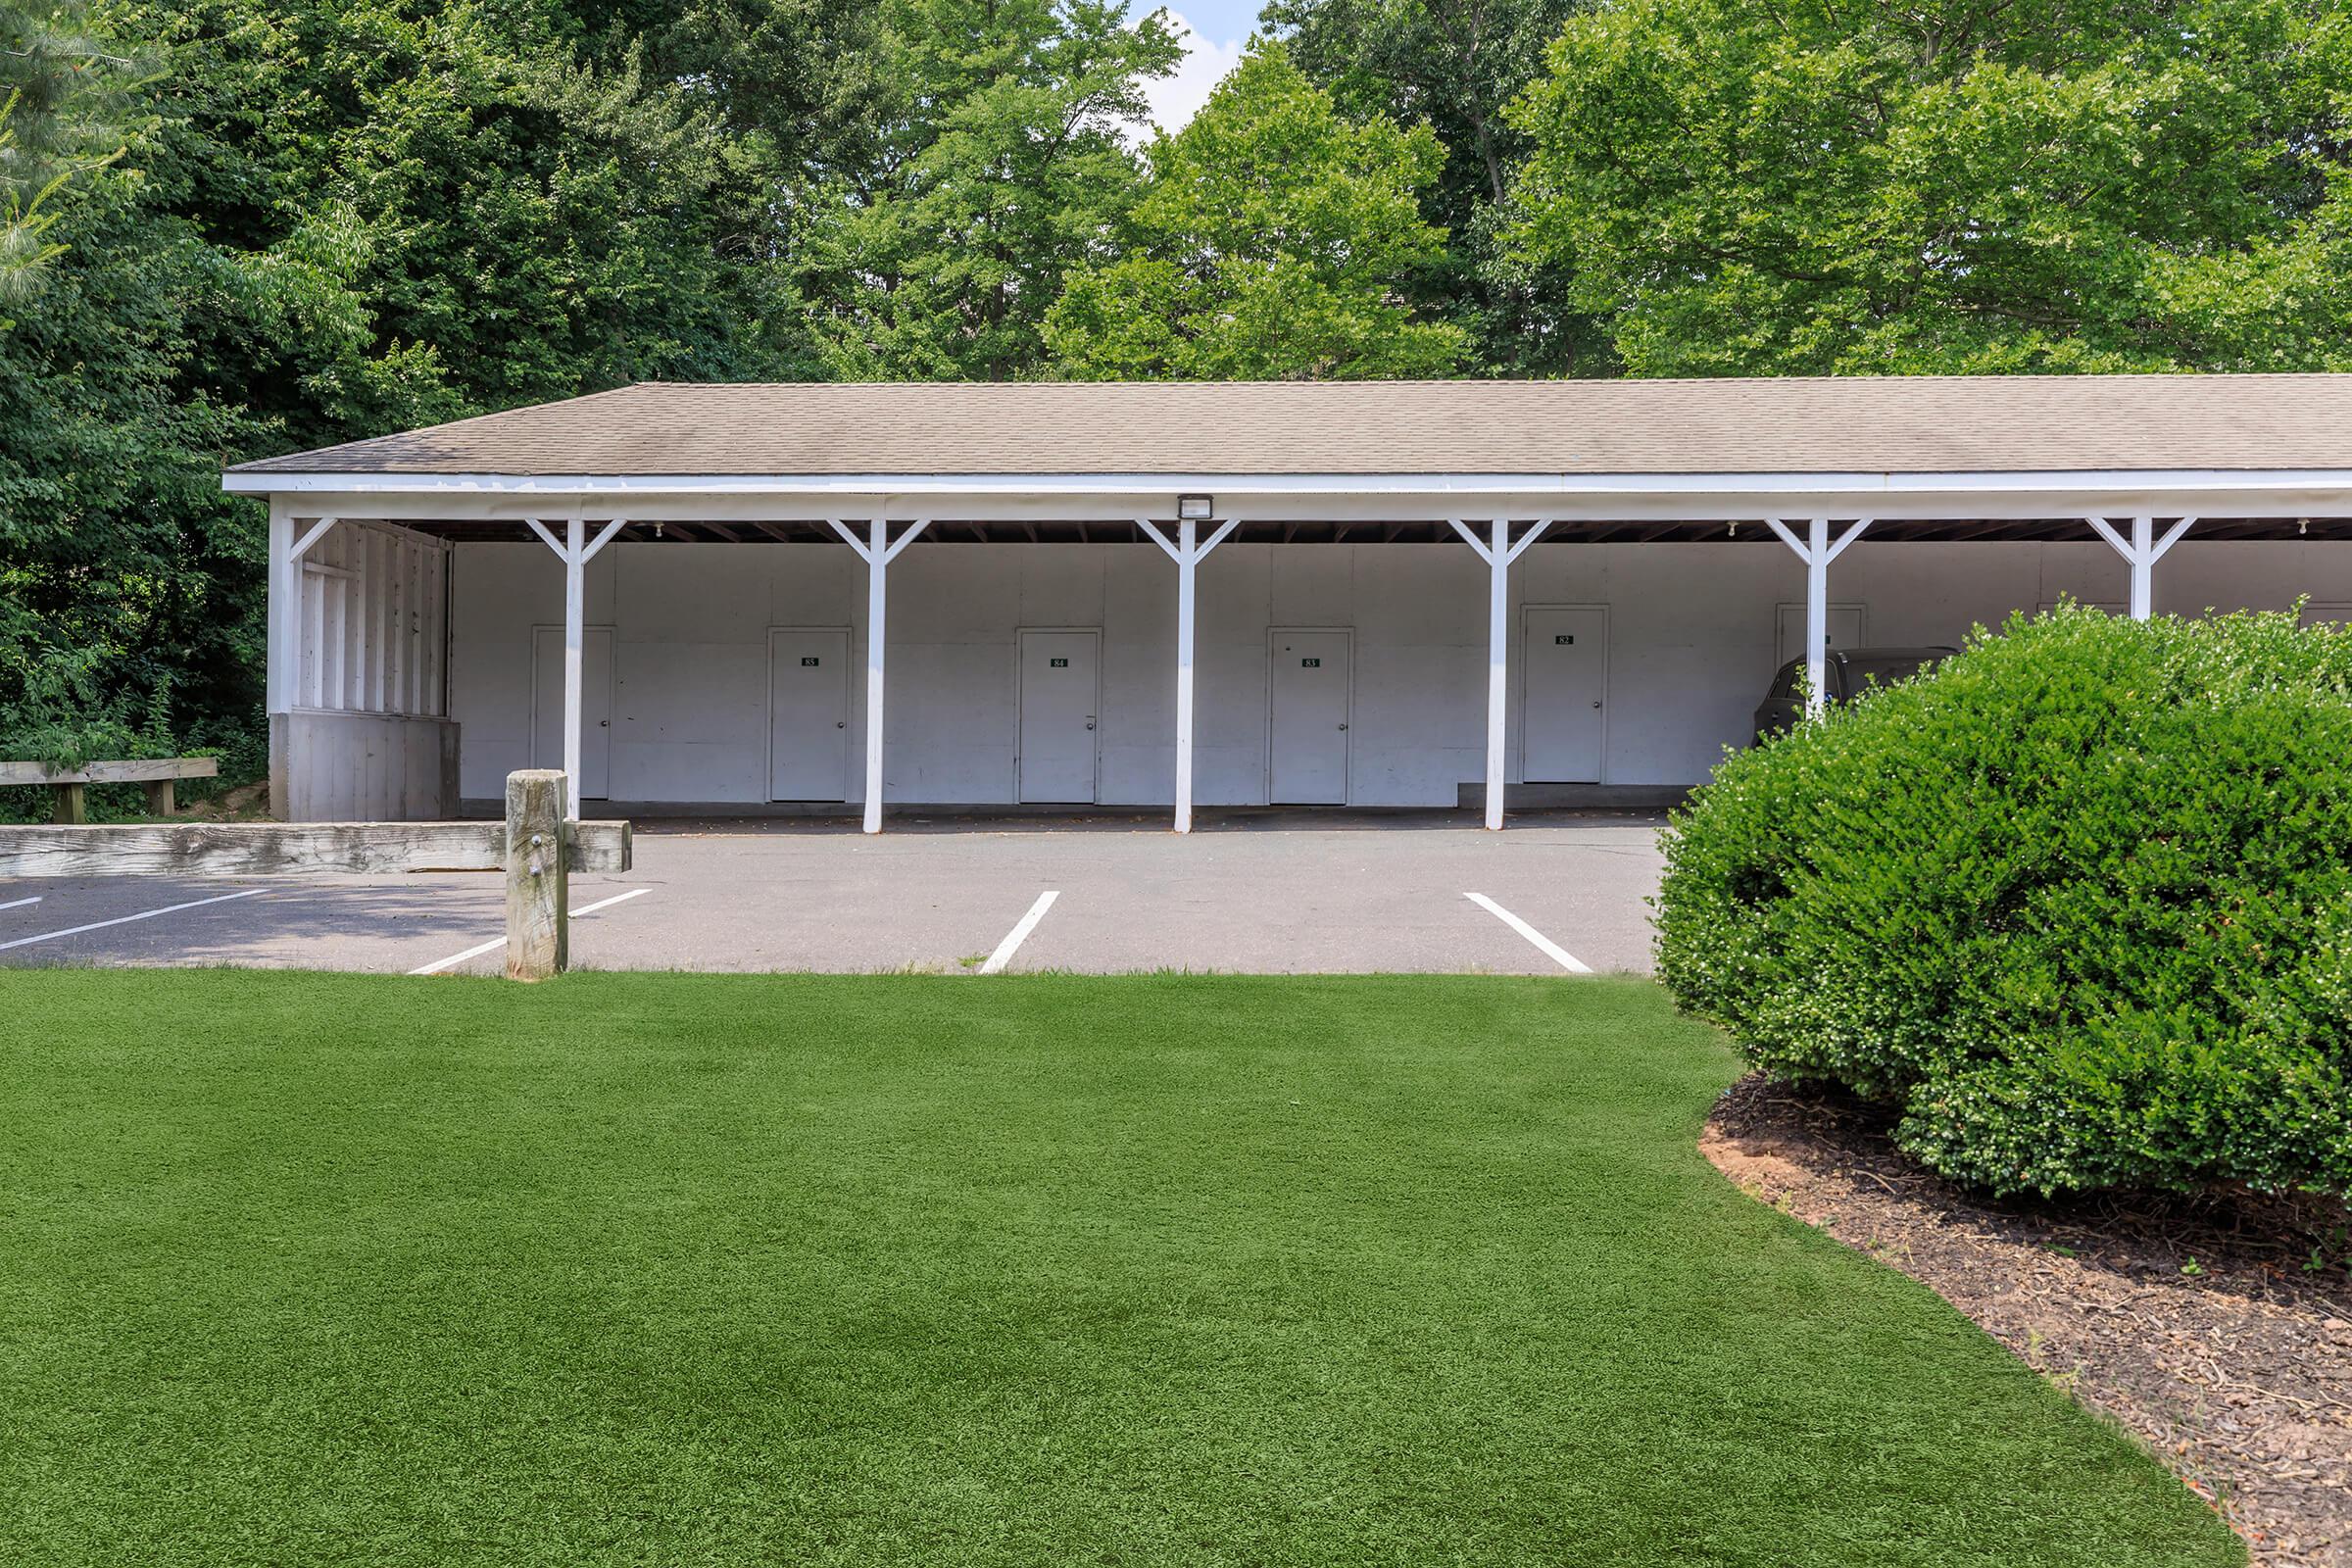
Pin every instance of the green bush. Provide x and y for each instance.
(2077, 905)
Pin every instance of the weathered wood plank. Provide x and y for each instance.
(277, 849)
(538, 909)
(598, 847)
(139, 773)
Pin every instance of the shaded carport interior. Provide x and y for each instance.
(1503, 467)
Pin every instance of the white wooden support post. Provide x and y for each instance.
(2143, 568)
(2141, 554)
(877, 552)
(575, 635)
(877, 644)
(281, 620)
(1188, 553)
(290, 539)
(576, 551)
(538, 915)
(1817, 616)
(282, 607)
(1817, 551)
(1498, 554)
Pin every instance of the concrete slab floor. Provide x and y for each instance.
(1271, 893)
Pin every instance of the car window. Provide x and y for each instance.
(1862, 673)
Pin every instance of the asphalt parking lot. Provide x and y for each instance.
(1280, 895)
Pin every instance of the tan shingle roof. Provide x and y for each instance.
(1914, 424)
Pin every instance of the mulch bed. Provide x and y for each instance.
(2199, 1324)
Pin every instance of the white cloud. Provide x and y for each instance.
(1176, 99)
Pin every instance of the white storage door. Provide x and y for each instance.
(809, 714)
(1308, 691)
(1060, 688)
(1566, 672)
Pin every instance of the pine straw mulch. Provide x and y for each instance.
(2195, 1324)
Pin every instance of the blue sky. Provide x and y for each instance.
(1222, 19)
(1214, 31)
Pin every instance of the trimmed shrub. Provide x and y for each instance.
(2077, 905)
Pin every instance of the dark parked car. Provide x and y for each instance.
(1847, 672)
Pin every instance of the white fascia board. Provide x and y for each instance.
(2064, 482)
(1333, 498)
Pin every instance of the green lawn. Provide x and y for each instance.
(302, 1269)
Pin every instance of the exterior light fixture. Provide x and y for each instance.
(1195, 508)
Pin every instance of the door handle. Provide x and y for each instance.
(604, 723)
(1342, 726)
(841, 723)
(1595, 704)
(1090, 723)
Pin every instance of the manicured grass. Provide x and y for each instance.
(305, 1269)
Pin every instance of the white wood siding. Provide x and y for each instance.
(371, 622)
(1693, 632)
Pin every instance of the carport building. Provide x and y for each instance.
(1395, 594)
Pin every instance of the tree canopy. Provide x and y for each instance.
(59, 88)
(1457, 66)
(1271, 242)
(1006, 169)
(1739, 187)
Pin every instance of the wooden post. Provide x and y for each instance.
(1817, 550)
(1188, 552)
(575, 615)
(1498, 554)
(1817, 617)
(2141, 551)
(537, 940)
(159, 797)
(877, 645)
(877, 552)
(1188, 569)
(72, 803)
(1498, 661)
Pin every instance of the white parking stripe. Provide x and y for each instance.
(1018, 934)
(1543, 944)
(495, 943)
(606, 904)
(125, 919)
(19, 904)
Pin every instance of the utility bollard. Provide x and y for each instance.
(537, 913)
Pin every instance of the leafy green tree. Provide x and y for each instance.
(1743, 187)
(336, 220)
(1006, 168)
(1272, 243)
(1457, 63)
(60, 91)
(816, 84)
(511, 223)
(129, 585)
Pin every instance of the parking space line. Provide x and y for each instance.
(125, 919)
(606, 904)
(19, 904)
(1543, 944)
(1019, 933)
(495, 943)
